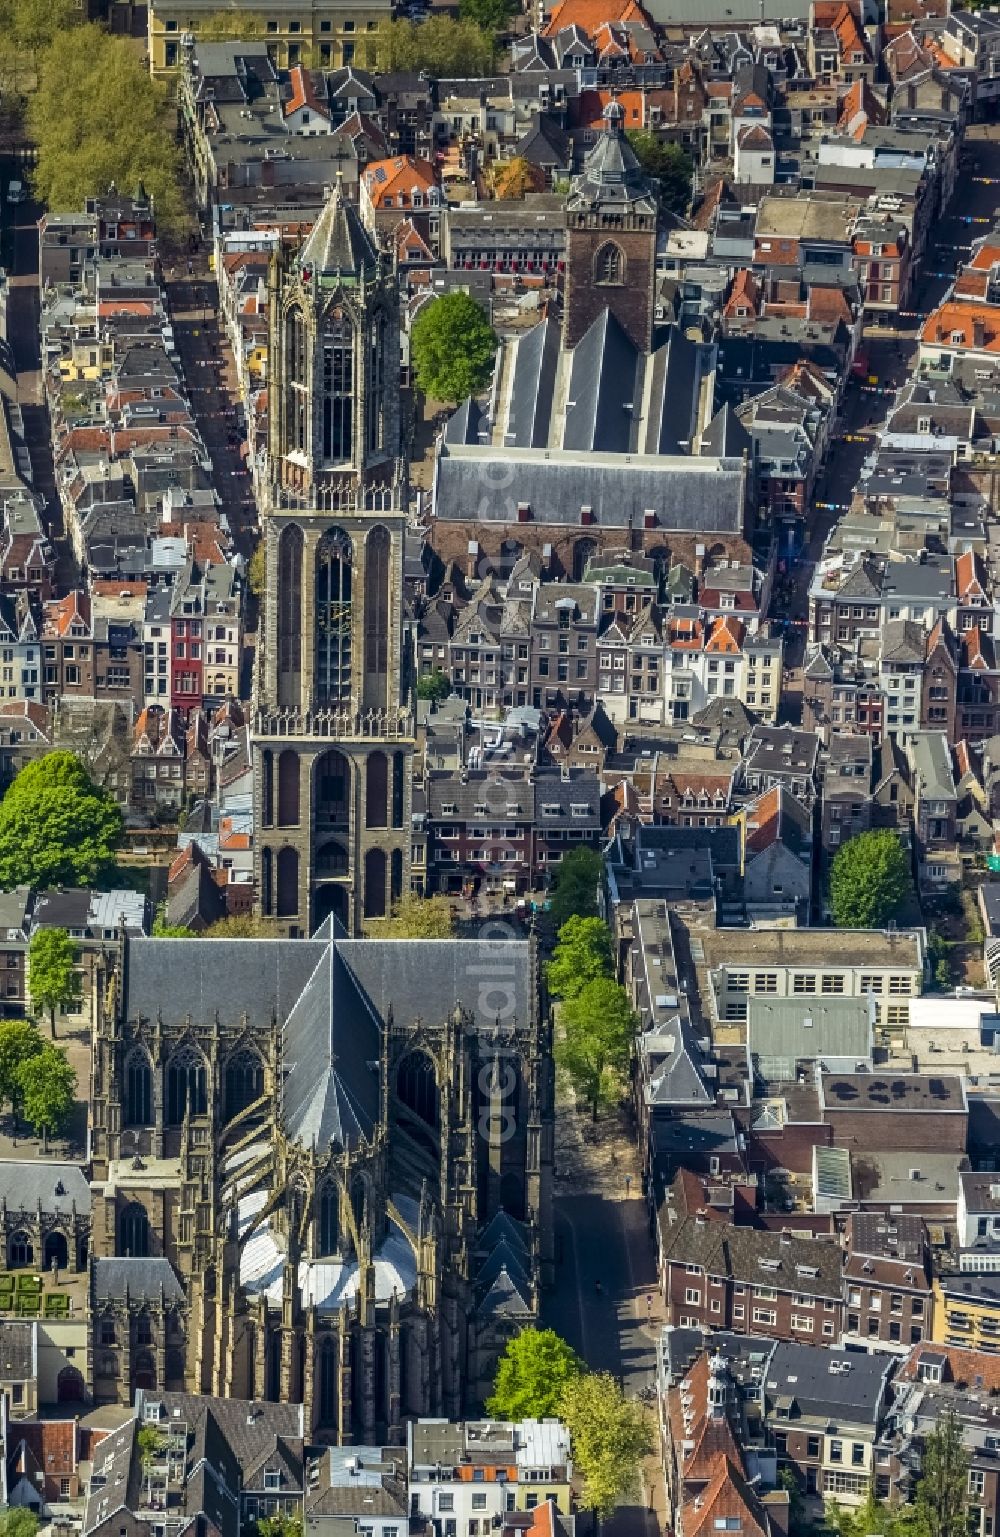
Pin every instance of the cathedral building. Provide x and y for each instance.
(332, 731)
(321, 1172)
(600, 433)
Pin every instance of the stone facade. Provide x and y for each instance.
(333, 727)
(343, 1150)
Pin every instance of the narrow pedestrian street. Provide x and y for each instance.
(605, 1301)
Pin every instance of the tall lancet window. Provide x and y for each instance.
(338, 389)
(376, 383)
(333, 619)
(297, 377)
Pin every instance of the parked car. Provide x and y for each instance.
(16, 192)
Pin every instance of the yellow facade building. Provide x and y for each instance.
(967, 1311)
(324, 34)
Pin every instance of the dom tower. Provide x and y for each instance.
(332, 732)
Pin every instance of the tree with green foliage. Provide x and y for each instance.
(148, 1444)
(531, 1376)
(27, 29)
(669, 166)
(452, 346)
(19, 1041)
(281, 1525)
(869, 880)
(242, 926)
(164, 930)
(574, 890)
(48, 1087)
(52, 977)
(419, 918)
(255, 570)
(98, 117)
(434, 686)
(582, 954)
(490, 16)
(56, 827)
(18, 1522)
(594, 1051)
(942, 1493)
(610, 1435)
(440, 45)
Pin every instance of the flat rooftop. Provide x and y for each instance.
(895, 1091)
(814, 947)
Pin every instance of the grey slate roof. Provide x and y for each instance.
(338, 241)
(695, 496)
(612, 175)
(844, 1386)
(332, 999)
(603, 378)
(114, 1277)
(56, 1187)
(17, 1351)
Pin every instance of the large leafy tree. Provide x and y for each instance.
(440, 45)
(52, 978)
(582, 954)
(610, 1435)
(869, 880)
(48, 1085)
(99, 118)
(452, 346)
(19, 1041)
(575, 888)
(434, 686)
(668, 165)
(599, 1027)
(56, 827)
(943, 1489)
(488, 15)
(18, 1522)
(531, 1376)
(419, 918)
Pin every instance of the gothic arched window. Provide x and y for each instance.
(297, 379)
(329, 1219)
(338, 389)
(375, 883)
(138, 1089)
(288, 788)
(267, 787)
(266, 883)
(609, 264)
(416, 1086)
(288, 883)
(21, 1251)
(187, 1088)
(244, 1081)
(396, 877)
(377, 550)
(377, 790)
(377, 342)
(289, 614)
(329, 1378)
(134, 1231)
(333, 619)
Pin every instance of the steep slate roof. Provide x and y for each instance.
(339, 241)
(332, 998)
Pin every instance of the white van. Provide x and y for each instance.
(16, 192)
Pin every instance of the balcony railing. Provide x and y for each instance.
(335, 725)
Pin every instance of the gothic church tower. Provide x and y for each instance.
(611, 223)
(332, 730)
